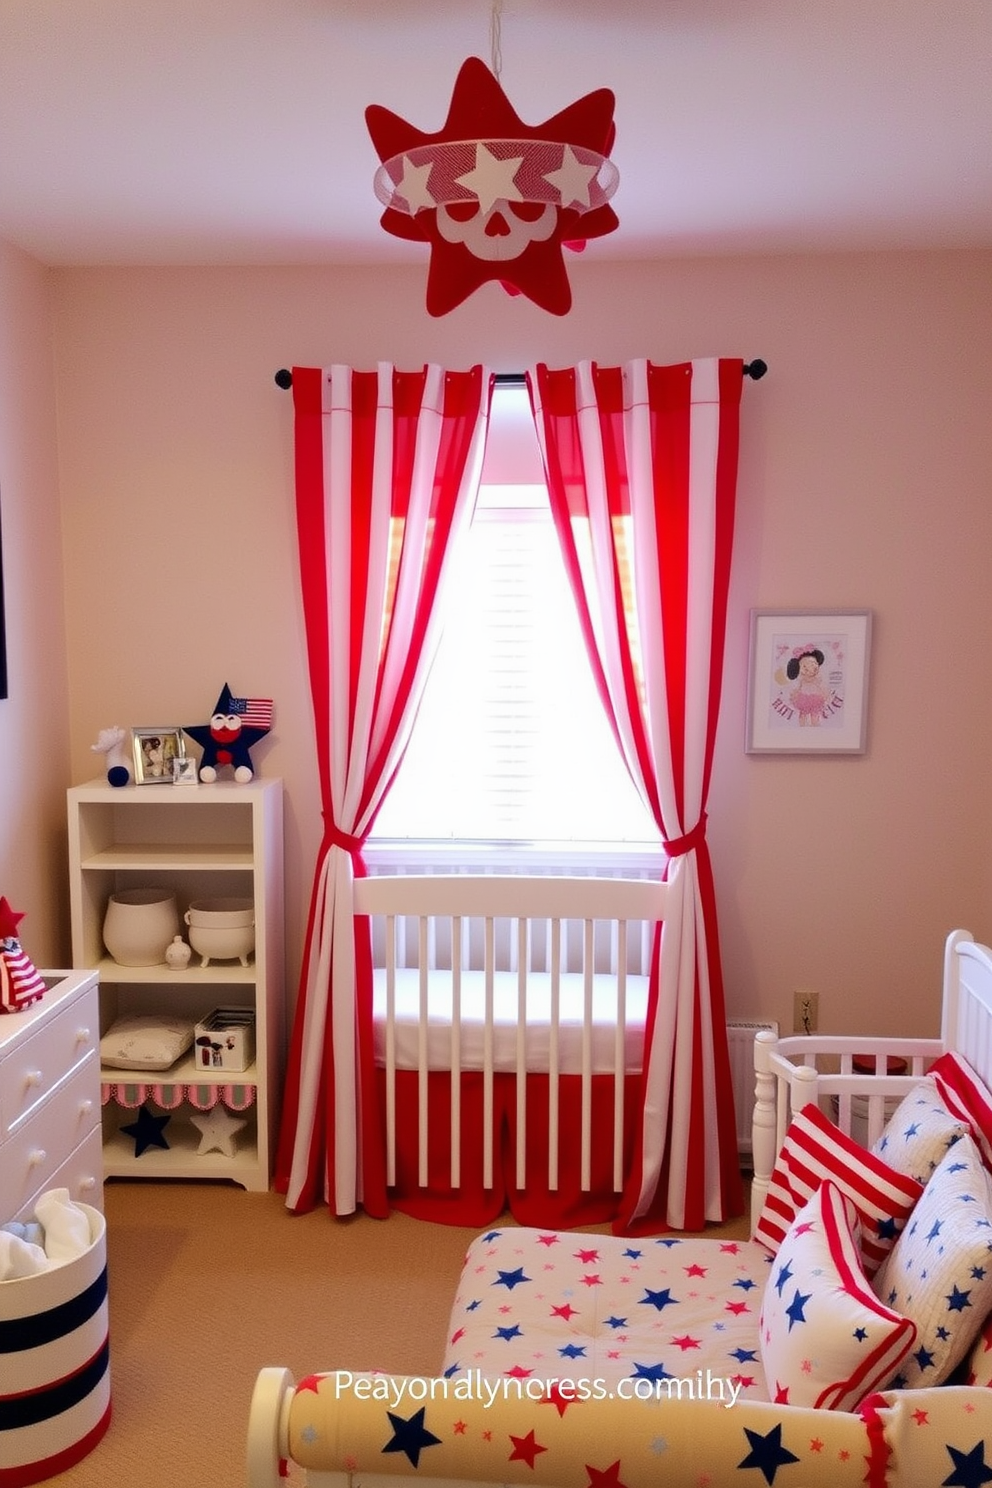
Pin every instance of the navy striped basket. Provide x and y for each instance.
(54, 1364)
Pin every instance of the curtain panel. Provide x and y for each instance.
(641, 465)
(387, 473)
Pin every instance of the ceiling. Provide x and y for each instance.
(233, 132)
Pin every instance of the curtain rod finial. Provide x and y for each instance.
(755, 369)
(284, 378)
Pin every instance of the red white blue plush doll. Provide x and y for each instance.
(20, 983)
(236, 724)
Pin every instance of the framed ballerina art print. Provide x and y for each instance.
(808, 682)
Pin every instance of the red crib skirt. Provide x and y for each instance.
(534, 1203)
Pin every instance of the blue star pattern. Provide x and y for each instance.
(410, 1436)
(919, 1133)
(767, 1452)
(939, 1273)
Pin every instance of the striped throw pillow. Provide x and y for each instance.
(815, 1149)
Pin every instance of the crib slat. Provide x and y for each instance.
(422, 941)
(391, 1049)
(456, 1051)
(620, 1056)
(554, 1033)
(489, 960)
(523, 963)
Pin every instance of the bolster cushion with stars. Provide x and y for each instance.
(940, 1270)
(826, 1340)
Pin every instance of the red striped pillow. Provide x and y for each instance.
(814, 1149)
(965, 1097)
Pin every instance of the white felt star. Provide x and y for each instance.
(492, 179)
(217, 1129)
(572, 179)
(413, 187)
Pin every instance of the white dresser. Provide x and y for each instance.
(50, 1133)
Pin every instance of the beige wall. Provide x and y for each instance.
(866, 477)
(34, 749)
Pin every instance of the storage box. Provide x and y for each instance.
(225, 1040)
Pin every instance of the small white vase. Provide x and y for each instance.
(139, 925)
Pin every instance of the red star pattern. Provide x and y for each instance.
(607, 1478)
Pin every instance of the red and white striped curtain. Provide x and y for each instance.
(387, 473)
(641, 464)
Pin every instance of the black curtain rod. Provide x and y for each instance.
(754, 370)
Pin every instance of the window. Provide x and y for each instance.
(512, 742)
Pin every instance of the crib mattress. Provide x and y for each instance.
(537, 1030)
(611, 1316)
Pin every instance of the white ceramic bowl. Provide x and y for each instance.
(214, 913)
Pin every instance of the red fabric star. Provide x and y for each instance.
(608, 1478)
(9, 921)
(525, 1448)
(554, 1396)
(480, 111)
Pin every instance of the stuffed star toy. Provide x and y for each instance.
(20, 983)
(237, 723)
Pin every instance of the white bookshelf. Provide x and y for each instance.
(203, 841)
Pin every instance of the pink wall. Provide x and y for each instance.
(34, 751)
(866, 475)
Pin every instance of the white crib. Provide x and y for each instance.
(509, 1013)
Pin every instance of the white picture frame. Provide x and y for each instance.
(808, 682)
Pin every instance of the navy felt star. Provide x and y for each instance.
(226, 739)
(410, 1437)
(510, 1279)
(660, 1300)
(970, 1468)
(147, 1131)
(767, 1452)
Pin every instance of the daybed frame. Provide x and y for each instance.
(880, 1445)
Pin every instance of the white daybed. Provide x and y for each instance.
(603, 1310)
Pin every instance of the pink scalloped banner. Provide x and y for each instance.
(171, 1096)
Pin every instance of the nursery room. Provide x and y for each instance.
(494, 505)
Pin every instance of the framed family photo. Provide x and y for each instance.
(154, 750)
(808, 682)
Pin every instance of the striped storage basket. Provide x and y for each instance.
(54, 1364)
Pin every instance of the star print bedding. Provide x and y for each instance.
(849, 1342)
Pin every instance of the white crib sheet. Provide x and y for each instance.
(537, 1030)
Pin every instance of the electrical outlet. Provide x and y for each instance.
(805, 1012)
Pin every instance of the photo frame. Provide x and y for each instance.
(184, 770)
(154, 750)
(808, 682)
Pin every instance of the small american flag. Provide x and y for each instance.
(253, 712)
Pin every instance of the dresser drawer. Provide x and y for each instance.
(81, 1174)
(37, 1065)
(33, 1154)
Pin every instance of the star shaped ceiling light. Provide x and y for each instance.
(496, 198)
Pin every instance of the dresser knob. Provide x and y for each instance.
(86, 1185)
(85, 1107)
(32, 1078)
(83, 1035)
(38, 1156)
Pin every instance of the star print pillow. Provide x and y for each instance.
(940, 1270)
(826, 1340)
(919, 1133)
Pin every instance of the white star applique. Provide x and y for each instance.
(491, 179)
(413, 187)
(572, 179)
(217, 1129)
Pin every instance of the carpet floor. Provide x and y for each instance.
(209, 1284)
